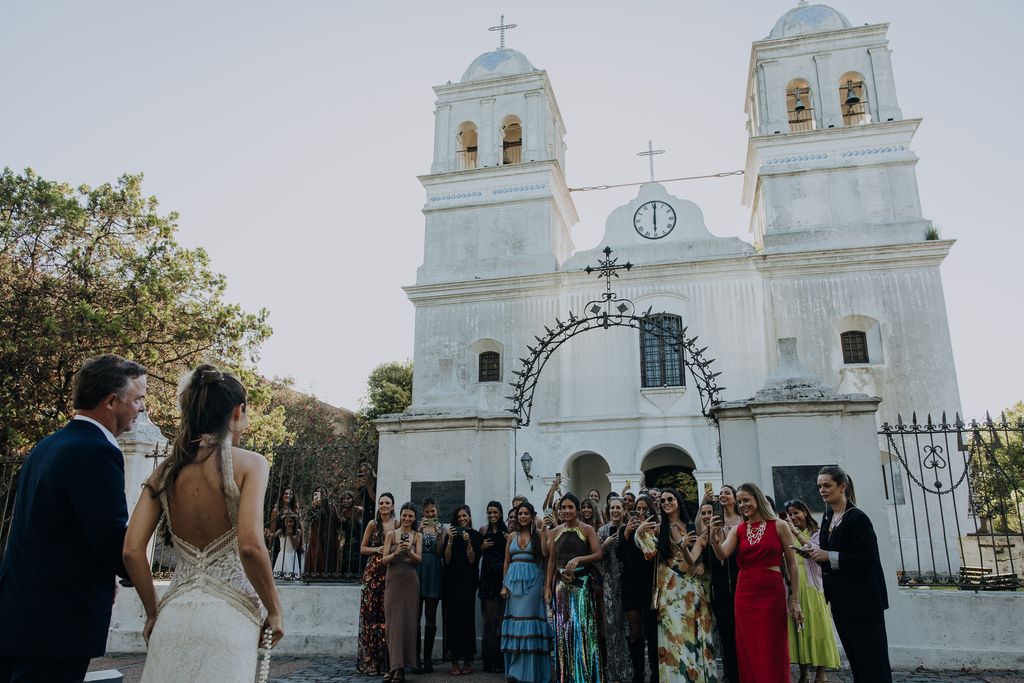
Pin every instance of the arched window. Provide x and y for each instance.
(853, 101)
(855, 347)
(661, 356)
(490, 366)
(511, 140)
(465, 157)
(799, 105)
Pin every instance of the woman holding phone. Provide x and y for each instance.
(637, 582)
(762, 543)
(681, 595)
(461, 575)
(724, 577)
(620, 668)
(813, 645)
(403, 549)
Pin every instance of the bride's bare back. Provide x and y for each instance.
(198, 507)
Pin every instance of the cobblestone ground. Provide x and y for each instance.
(327, 670)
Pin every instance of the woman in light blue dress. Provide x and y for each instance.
(526, 638)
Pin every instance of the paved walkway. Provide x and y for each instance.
(329, 670)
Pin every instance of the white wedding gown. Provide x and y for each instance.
(208, 623)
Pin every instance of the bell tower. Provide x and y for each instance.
(829, 162)
(497, 203)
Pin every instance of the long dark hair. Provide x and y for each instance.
(293, 504)
(501, 527)
(652, 507)
(455, 515)
(665, 531)
(812, 523)
(376, 518)
(735, 503)
(570, 496)
(207, 398)
(536, 549)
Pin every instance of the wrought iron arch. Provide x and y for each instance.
(609, 311)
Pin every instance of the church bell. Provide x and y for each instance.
(799, 101)
(851, 93)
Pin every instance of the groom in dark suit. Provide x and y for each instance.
(58, 573)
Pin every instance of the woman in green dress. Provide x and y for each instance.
(814, 645)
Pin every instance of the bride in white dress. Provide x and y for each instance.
(207, 498)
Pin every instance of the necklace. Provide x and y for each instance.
(836, 519)
(754, 536)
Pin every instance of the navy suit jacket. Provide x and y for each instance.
(857, 588)
(58, 574)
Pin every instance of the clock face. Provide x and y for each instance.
(654, 219)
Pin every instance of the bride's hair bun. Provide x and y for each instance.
(209, 375)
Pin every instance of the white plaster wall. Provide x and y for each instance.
(318, 620)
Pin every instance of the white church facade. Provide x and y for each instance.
(841, 258)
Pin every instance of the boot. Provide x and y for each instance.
(429, 634)
(636, 656)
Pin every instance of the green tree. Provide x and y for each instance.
(388, 390)
(308, 419)
(88, 270)
(997, 469)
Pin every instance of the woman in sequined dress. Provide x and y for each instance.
(620, 668)
(372, 656)
(431, 571)
(569, 588)
(762, 543)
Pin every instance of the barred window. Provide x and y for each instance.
(855, 347)
(490, 366)
(661, 356)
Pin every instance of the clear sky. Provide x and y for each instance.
(289, 135)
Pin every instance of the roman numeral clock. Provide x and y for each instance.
(654, 219)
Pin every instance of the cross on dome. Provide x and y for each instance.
(501, 28)
(650, 155)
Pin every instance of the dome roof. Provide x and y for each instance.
(496, 64)
(806, 19)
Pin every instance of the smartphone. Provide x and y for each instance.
(613, 530)
(405, 537)
(799, 551)
(717, 510)
(691, 528)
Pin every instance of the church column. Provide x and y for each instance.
(773, 99)
(533, 135)
(140, 447)
(884, 107)
(488, 140)
(444, 154)
(828, 98)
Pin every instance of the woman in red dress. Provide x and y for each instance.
(763, 543)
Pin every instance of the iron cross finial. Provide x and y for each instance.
(650, 155)
(606, 268)
(501, 28)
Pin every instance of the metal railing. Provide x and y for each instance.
(957, 522)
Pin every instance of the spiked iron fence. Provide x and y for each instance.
(958, 520)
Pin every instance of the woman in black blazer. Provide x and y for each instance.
(853, 578)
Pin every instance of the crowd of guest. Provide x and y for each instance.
(628, 588)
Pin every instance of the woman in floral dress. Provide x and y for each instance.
(685, 625)
(372, 657)
(617, 661)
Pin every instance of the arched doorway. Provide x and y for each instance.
(587, 471)
(672, 467)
